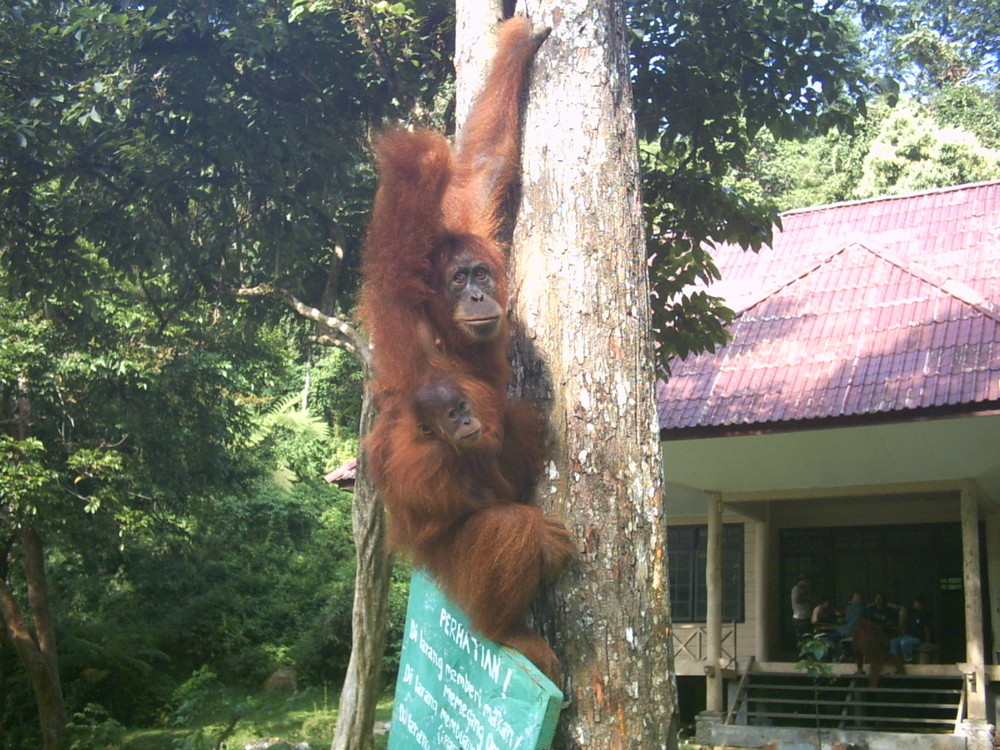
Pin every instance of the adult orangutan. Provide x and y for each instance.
(435, 281)
(456, 460)
(871, 644)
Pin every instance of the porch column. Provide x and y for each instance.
(762, 609)
(973, 606)
(713, 619)
(993, 569)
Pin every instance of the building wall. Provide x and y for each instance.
(870, 511)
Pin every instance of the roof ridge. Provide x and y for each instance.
(885, 198)
(950, 286)
(799, 273)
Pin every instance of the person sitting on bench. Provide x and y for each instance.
(916, 630)
(855, 612)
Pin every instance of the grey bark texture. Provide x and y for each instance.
(475, 41)
(584, 348)
(363, 681)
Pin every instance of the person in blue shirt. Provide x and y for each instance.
(855, 611)
(917, 630)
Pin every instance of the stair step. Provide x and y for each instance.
(848, 701)
(865, 719)
(842, 704)
(855, 688)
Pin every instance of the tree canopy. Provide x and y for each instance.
(153, 164)
(164, 169)
(931, 119)
(709, 79)
(934, 44)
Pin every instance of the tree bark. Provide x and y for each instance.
(36, 648)
(363, 682)
(475, 41)
(35, 643)
(585, 349)
(373, 564)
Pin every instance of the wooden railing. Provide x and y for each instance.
(691, 643)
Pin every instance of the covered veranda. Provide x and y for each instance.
(855, 482)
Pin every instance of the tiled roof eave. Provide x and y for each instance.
(690, 432)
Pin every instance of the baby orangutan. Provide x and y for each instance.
(454, 512)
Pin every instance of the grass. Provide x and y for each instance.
(307, 716)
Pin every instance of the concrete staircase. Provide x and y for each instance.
(794, 710)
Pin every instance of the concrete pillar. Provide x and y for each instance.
(976, 677)
(993, 570)
(762, 606)
(704, 726)
(772, 589)
(713, 620)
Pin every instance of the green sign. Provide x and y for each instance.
(458, 691)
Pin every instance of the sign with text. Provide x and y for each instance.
(458, 691)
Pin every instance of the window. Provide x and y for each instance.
(687, 548)
(900, 561)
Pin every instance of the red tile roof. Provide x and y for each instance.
(344, 475)
(860, 308)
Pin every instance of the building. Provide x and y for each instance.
(848, 433)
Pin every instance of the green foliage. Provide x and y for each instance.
(898, 149)
(94, 729)
(189, 702)
(183, 142)
(336, 384)
(167, 548)
(242, 590)
(935, 44)
(17, 703)
(813, 652)
(157, 159)
(913, 152)
(940, 60)
(190, 697)
(302, 434)
(23, 475)
(307, 716)
(113, 665)
(969, 108)
(819, 170)
(399, 593)
(411, 44)
(708, 79)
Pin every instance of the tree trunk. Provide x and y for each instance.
(585, 348)
(363, 682)
(476, 22)
(35, 644)
(37, 650)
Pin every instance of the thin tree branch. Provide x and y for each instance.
(340, 332)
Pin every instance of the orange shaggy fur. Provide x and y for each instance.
(871, 644)
(460, 510)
